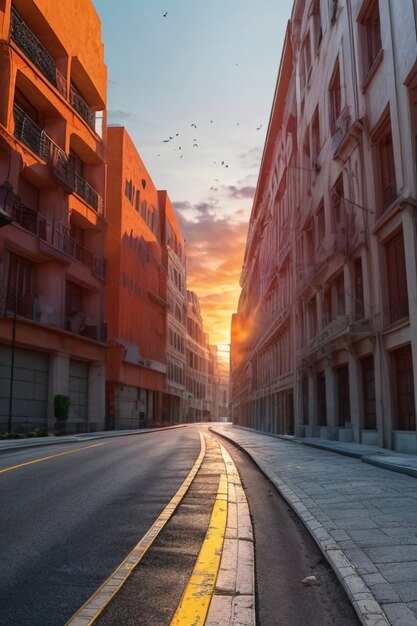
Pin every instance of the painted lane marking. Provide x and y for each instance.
(194, 605)
(52, 456)
(97, 602)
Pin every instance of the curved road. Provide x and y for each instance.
(67, 522)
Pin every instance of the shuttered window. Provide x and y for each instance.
(397, 280)
(405, 415)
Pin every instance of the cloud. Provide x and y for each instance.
(215, 249)
(117, 115)
(242, 192)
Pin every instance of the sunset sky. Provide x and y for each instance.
(212, 65)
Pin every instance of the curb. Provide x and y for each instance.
(366, 607)
(81, 438)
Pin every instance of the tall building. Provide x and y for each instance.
(200, 369)
(324, 342)
(136, 289)
(52, 183)
(174, 400)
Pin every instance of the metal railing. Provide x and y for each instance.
(31, 220)
(67, 244)
(21, 34)
(80, 105)
(87, 193)
(31, 134)
(41, 144)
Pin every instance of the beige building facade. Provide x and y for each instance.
(324, 342)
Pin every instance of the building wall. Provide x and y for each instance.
(136, 305)
(325, 336)
(174, 401)
(200, 368)
(52, 183)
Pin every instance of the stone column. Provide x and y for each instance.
(331, 401)
(355, 395)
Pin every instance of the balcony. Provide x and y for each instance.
(38, 141)
(396, 311)
(346, 134)
(88, 194)
(69, 246)
(80, 105)
(31, 220)
(29, 133)
(23, 37)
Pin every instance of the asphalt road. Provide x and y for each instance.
(67, 522)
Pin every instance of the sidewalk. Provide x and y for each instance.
(34, 442)
(363, 518)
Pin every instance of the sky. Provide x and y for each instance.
(193, 83)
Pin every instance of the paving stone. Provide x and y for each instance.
(384, 592)
(226, 579)
(360, 561)
(406, 590)
(245, 568)
(243, 613)
(392, 554)
(400, 615)
(399, 572)
(220, 611)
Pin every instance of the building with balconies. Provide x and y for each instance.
(335, 204)
(136, 288)
(200, 370)
(52, 184)
(175, 395)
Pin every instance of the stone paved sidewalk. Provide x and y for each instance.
(364, 518)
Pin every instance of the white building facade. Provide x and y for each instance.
(324, 342)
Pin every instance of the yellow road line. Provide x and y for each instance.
(96, 603)
(52, 456)
(194, 605)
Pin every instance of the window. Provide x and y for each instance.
(340, 294)
(358, 286)
(21, 277)
(371, 26)
(315, 137)
(343, 395)
(368, 390)
(337, 196)
(321, 400)
(405, 414)
(307, 57)
(321, 225)
(396, 279)
(386, 165)
(335, 97)
(317, 27)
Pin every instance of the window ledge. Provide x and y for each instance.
(372, 70)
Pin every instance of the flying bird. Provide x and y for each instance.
(181, 156)
(171, 137)
(165, 14)
(222, 163)
(237, 123)
(214, 188)
(211, 121)
(259, 127)
(176, 134)
(166, 140)
(193, 125)
(195, 145)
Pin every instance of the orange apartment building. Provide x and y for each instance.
(174, 399)
(136, 307)
(52, 182)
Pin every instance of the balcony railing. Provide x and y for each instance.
(87, 193)
(38, 141)
(21, 34)
(77, 251)
(396, 310)
(31, 220)
(80, 105)
(31, 134)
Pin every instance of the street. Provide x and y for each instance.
(75, 511)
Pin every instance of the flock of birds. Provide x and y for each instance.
(195, 144)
